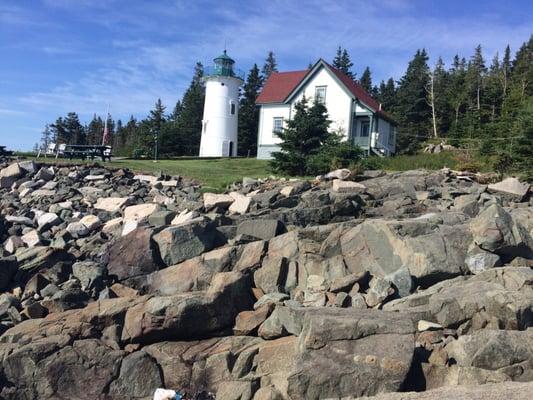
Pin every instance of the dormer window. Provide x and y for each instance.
(320, 94)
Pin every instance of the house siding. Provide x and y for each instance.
(267, 142)
(338, 102)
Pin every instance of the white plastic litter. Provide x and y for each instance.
(164, 394)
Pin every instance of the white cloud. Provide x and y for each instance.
(151, 49)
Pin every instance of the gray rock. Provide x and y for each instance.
(495, 231)
(139, 376)
(161, 218)
(480, 260)
(133, 255)
(181, 242)
(90, 274)
(264, 229)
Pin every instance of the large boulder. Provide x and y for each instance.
(396, 249)
(496, 298)
(189, 316)
(351, 353)
(190, 239)
(52, 368)
(190, 275)
(511, 187)
(490, 391)
(509, 352)
(261, 228)
(133, 255)
(138, 378)
(495, 230)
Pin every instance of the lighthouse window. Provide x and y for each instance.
(232, 108)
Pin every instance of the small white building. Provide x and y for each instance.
(221, 109)
(353, 112)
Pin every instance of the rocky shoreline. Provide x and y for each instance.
(114, 284)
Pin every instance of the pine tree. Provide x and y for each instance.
(46, 137)
(412, 110)
(302, 138)
(73, 131)
(475, 80)
(270, 66)
(249, 114)
(343, 62)
(457, 94)
(94, 130)
(505, 70)
(366, 80)
(386, 95)
(175, 112)
(59, 134)
(182, 136)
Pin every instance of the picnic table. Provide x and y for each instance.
(87, 151)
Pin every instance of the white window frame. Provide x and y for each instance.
(319, 98)
(277, 130)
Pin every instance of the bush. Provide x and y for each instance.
(137, 153)
(332, 156)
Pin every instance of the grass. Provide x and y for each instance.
(216, 174)
(213, 174)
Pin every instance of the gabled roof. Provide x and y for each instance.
(279, 85)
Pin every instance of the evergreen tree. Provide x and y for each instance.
(182, 136)
(74, 130)
(387, 94)
(249, 114)
(343, 62)
(475, 80)
(59, 135)
(302, 138)
(270, 66)
(366, 80)
(157, 116)
(457, 94)
(46, 137)
(176, 112)
(95, 130)
(412, 110)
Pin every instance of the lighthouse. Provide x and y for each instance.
(221, 108)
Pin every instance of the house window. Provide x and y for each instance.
(320, 94)
(232, 108)
(277, 125)
(365, 128)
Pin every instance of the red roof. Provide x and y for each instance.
(279, 85)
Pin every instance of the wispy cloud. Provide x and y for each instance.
(140, 52)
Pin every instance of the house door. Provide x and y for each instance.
(365, 128)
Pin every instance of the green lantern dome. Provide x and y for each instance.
(223, 66)
(224, 59)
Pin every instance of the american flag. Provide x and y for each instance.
(105, 137)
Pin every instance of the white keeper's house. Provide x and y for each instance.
(352, 111)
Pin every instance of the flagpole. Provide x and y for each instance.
(105, 125)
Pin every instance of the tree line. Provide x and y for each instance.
(466, 102)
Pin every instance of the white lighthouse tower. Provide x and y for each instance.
(221, 109)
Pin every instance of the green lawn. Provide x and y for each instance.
(214, 174)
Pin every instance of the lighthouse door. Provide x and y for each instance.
(225, 147)
(230, 149)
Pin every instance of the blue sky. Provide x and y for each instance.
(78, 55)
